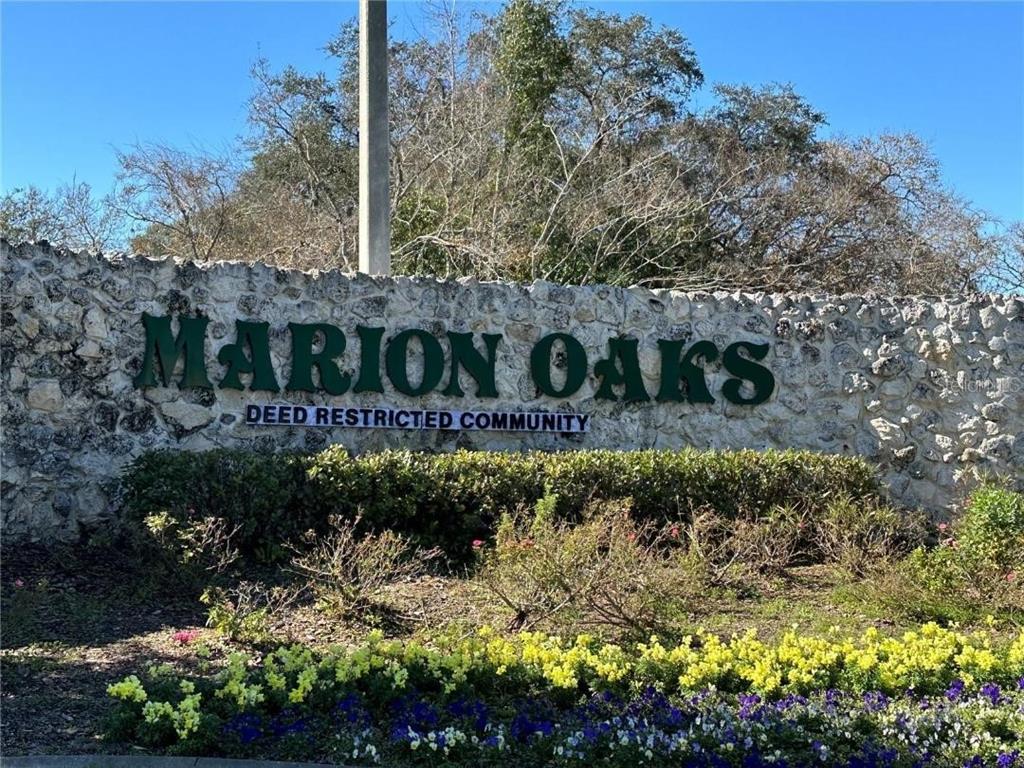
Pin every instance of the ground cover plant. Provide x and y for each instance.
(747, 621)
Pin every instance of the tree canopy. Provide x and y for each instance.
(544, 142)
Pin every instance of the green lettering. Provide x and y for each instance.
(676, 367)
(745, 369)
(629, 377)
(397, 362)
(257, 337)
(464, 354)
(166, 349)
(369, 360)
(575, 365)
(332, 380)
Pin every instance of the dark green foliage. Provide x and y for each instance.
(532, 59)
(769, 118)
(448, 500)
(258, 495)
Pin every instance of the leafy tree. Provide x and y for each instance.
(768, 118)
(531, 59)
(545, 142)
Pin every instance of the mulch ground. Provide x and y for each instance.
(71, 625)
(68, 628)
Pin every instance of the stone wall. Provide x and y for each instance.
(930, 389)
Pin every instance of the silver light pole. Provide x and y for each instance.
(374, 200)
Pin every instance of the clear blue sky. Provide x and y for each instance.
(79, 79)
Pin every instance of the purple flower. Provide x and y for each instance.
(875, 701)
(351, 709)
(748, 705)
(991, 692)
(476, 710)
(247, 727)
(955, 689)
(288, 722)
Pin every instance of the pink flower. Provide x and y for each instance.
(943, 526)
(1011, 576)
(477, 543)
(19, 583)
(674, 531)
(185, 636)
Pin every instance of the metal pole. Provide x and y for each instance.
(374, 200)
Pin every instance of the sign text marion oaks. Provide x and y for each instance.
(321, 347)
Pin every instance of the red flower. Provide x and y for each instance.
(185, 636)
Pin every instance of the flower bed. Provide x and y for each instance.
(931, 697)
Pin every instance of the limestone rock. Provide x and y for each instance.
(189, 416)
(45, 396)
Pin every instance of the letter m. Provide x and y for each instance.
(165, 349)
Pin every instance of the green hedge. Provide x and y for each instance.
(448, 500)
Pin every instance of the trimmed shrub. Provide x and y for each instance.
(450, 499)
(447, 500)
(259, 496)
